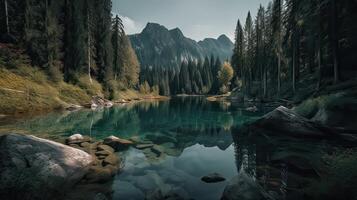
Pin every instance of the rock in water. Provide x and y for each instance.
(117, 143)
(252, 109)
(36, 168)
(213, 178)
(283, 121)
(77, 139)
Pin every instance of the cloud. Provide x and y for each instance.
(131, 26)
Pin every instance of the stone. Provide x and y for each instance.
(252, 109)
(39, 168)
(213, 178)
(158, 150)
(85, 144)
(117, 143)
(98, 101)
(104, 147)
(111, 160)
(101, 157)
(77, 139)
(102, 153)
(144, 146)
(73, 107)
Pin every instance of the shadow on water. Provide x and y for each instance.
(193, 138)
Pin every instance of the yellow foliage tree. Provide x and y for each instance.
(225, 75)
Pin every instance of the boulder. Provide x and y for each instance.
(213, 178)
(77, 139)
(285, 122)
(36, 168)
(98, 101)
(117, 143)
(244, 187)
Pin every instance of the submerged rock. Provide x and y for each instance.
(117, 143)
(38, 168)
(213, 178)
(144, 146)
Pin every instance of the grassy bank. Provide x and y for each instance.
(25, 89)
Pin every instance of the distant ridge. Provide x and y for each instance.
(157, 46)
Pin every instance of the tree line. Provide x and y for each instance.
(295, 45)
(69, 39)
(198, 77)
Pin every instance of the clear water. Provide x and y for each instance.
(196, 138)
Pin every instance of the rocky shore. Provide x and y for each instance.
(35, 168)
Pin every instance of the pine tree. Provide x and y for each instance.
(118, 33)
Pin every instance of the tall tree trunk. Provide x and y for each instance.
(265, 82)
(89, 45)
(7, 18)
(279, 50)
(334, 38)
(294, 67)
(319, 47)
(279, 74)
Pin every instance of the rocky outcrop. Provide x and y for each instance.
(106, 163)
(35, 168)
(285, 122)
(99, 102)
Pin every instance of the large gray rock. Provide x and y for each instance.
(283, 121)
(35, 168)
(243, 187)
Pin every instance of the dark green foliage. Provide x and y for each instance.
(69, 39)
(192, 77)
(295, 44)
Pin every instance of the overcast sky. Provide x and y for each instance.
(198, 19)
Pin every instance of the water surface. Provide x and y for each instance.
(195, 138)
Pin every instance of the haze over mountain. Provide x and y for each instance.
(157, 46)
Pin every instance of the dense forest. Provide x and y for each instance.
(72, 39)
(193, 77)
(294, 47)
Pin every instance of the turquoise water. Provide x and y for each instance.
(197, 138)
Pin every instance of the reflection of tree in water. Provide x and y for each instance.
(254, 159)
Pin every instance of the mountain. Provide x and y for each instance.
(158, 46)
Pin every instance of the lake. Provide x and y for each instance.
(195, 138)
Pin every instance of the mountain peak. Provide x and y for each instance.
(154, 27)
(224, 39)
(176, 32)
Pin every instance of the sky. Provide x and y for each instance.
(197, 19)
